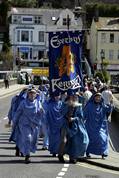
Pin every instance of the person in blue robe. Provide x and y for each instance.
(44, 125)
(12, 109)
(96, 116)
(26, 124)
(55, 121)
(77, 137)
(15, 103)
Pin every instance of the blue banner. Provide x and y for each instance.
(65, 50)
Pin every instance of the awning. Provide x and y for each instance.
(24, 49)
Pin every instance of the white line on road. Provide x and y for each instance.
(5, 118)
(66, 165)
(63, 171)
(61, 174)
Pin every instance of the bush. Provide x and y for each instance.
(100, 75)
(104, 76)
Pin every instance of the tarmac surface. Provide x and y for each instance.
(110, 162)
(12, 89)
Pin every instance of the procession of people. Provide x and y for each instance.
(73, 123)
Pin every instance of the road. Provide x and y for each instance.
(43, 165)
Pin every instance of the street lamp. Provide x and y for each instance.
(102, 54)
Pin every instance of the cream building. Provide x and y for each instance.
(104, 43)
(29, 29)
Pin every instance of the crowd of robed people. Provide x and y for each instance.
(72, 123)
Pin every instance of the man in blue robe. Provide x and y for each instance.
(96, 116)
(76, 134)
(55, 121)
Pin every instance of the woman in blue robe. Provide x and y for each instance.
(96, 116)
(55, 121)
(26, 125)
(77, 137)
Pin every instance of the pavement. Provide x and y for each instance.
(12, 89)
(110, 162)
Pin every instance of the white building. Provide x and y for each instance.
(29, 29)
(104, 38)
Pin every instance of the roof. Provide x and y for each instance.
(49, 16)
(33, 11)
(107, 23)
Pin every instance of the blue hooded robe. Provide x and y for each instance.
(14, 104)
(55, 121)
(96, 116)
(77, 137)
(26, 126)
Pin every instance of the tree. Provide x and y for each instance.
(5, 55)
(104, 9)
(104, 74)
(4, 7)
(7, 60)
(24, 3)
(6, 42)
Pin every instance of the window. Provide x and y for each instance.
(41, 36)
(37, 19)
(24, 36)
(111, 54)
(40, 54)
(111, 38)
(24, 52)
(66, 21)
(24, 55)
(16, 19)
(31, 36)
(103, 37)
(30, 53)
(18, 35)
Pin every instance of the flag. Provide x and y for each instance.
(65, 50)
